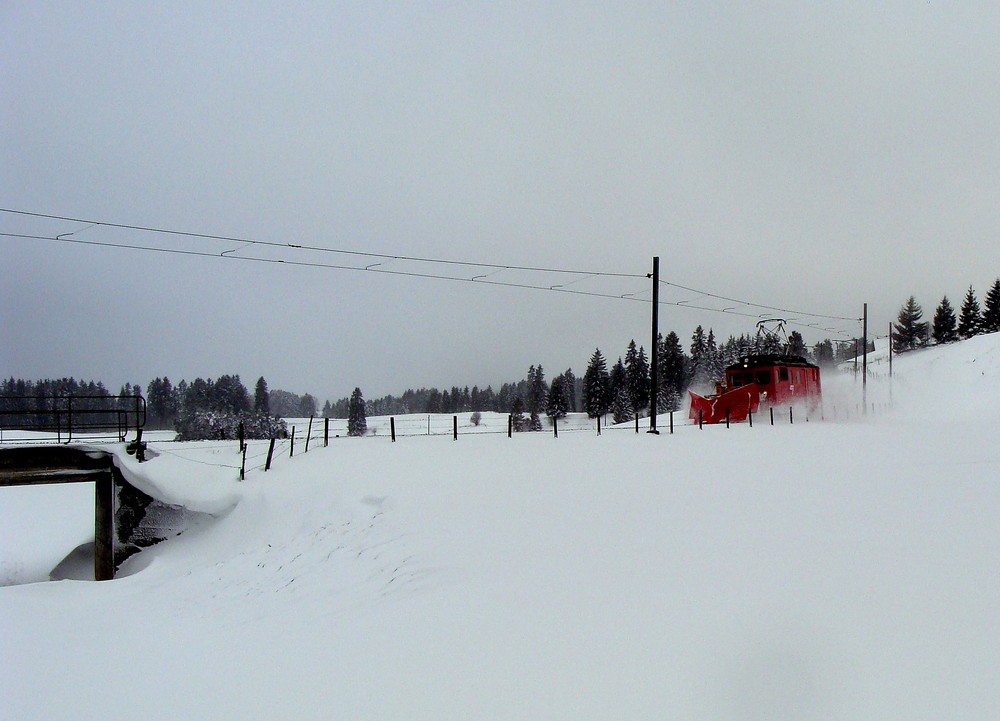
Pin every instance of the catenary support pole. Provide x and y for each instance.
(864, 359)
(654, 350)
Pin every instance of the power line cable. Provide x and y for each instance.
(706, 294)
(368, 269)
(298, 246)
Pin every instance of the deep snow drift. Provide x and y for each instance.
(825, 570)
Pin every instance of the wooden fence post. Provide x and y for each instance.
(454, 428)
(727, 418)
(555, 426)
(270, 452)
(392, 428)
(510, 425)
(701, 419)
(243, 465)
(671, 423)
(790, 419)
(309, 432)
(772, 415)
(326, 432)
(291, 446)
(598, 424)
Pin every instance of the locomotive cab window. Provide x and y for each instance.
(763, 378)
(784, 374)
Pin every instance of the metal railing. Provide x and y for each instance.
(66, 415)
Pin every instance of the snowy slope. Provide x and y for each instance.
(829, 570)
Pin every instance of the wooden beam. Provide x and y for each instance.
(104, 527)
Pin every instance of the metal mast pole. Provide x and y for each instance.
(864, 359)
(654, 350)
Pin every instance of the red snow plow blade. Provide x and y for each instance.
(739, 402)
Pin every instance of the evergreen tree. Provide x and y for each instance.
(797, 344)
(572, 394)
(673, 373)
(327, 410)
(823, 353)
(637, 377)
(621, 406)
(715, 361)
(991, 311)
(307, 406)
(596, 386)
(618, 379)
(944, 329)
(518, 421)
(261, 401)
(970, 320)
(357, 423)
(536, 390)
(556, 404)
(433, 404)
(910, 332)
(698, 367)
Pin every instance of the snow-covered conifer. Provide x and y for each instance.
(596, 386)
(970, 320)
(357, 422)
(944, 328)
(909, 331)
(991, 309)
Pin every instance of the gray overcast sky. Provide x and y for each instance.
(811, 156)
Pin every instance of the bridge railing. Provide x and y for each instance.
(72, 414)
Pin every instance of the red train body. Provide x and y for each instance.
(768, 380)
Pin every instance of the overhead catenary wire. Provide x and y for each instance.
(480, 278)
(322, 249)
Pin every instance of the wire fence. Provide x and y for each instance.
(309, 434)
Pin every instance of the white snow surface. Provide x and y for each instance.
(830, 569)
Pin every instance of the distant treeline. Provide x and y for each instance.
(622, 389)
(39, 397)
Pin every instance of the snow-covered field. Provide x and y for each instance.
(837, 569)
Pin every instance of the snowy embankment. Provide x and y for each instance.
(818, 571)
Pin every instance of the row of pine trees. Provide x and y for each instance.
(910, 331)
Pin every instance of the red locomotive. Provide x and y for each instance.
(770, 380)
